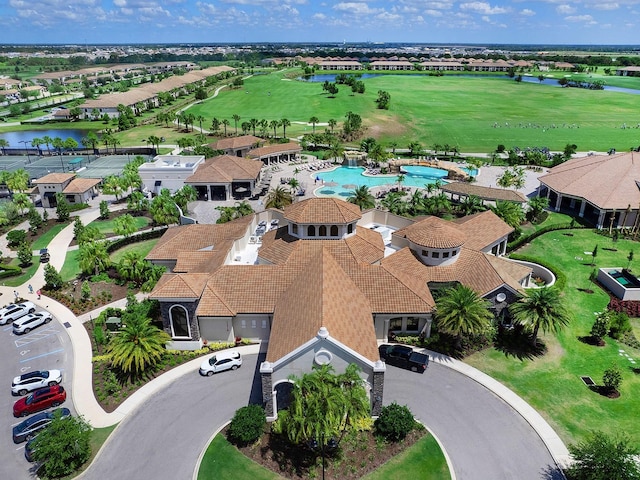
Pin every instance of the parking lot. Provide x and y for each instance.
(44, 348)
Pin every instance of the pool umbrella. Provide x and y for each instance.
(241, 190)
(331, 184)
(350, 186)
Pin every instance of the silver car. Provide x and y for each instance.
(29, 322)
(14, 311)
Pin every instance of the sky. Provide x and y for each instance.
(568, 22)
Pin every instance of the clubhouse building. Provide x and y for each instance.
(321, 282)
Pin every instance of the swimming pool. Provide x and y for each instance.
(420, 170)
(340, 182)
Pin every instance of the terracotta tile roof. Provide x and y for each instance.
(181, 285)
(225, 169)
(212, 305)
(322, 295)
(433, 232)
(322, 210)
(203, 261)
(57, 178)
(474, 269)
(482, 229)
(607, 181)
(234, 143)
(81, 185)
(198, 237)
(278, 247)
(291, 147)
(485, 193)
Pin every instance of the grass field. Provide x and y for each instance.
(551, 383)
(143, 248)
(106, 226)
(455, 110)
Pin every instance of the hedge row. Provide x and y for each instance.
(9, 271)
(561, 278)
(140, 237)
(550, 228)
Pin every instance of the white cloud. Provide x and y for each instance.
(565, 9)
(588, 19)
(606, 6)
(483, 8)
(527, 13)
(354, 8)
(433, 13)
(319, 16)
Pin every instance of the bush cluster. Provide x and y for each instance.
(395, 422)
(247, 425)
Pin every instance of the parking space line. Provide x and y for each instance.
(34, 337)
(42, 355)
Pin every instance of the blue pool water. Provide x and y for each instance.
(339, 182)
(418, 170)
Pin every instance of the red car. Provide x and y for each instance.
(40, 399)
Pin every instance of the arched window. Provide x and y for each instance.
(322, 231)
(334, 230)
(179, 322)
(311, 231)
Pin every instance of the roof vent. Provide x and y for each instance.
(323, 332)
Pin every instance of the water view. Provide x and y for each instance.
(343, 180)
(17, 139)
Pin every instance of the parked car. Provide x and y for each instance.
(40, 399)
(28, 451)
(29, 322)
(31, 381)
(14, 311)
(228, 360)
(30, 427)
(404, 357)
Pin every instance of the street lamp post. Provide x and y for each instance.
(25, 147)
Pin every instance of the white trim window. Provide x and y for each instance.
(179, 319)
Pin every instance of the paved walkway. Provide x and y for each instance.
(82, 394)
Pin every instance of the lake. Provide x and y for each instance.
(551, 82)
(15, 139)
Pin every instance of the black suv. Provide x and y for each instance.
(404, 357)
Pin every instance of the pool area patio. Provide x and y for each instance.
(621, 282)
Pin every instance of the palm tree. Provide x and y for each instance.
(225, 123)
(137, 346)
(393, 145)
(332, 122)
(3, 144)
(336, 150)
(541, 308)
(362, 197)
(461, 311)
(133, 267)
(400, 178)
(285, 123)
(36, 142)
(48, 141)
(313, 120)
(254, 123)
(294, 184)
(510, 212)
(471, 204)
(415, 149)
(278, 197)
(93, 257)
(236, 119)
(274, 124)
(200, 119)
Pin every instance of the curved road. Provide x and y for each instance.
(484, 437)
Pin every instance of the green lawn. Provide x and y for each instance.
(553, 218)
(455, 110)
(44, 240)
(70, 269)
(423, 460)
(106, 226)
(143, 248)
(27, 273)
(223, 460)
(552, 383)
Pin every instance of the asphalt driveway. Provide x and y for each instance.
(484, 437)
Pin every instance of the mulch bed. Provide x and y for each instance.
(359, 453)
(71, 296)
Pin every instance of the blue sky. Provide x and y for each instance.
(219, 21)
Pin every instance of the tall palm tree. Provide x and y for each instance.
(200, 119)
(461, 311)
(313, 121)
(362, 197)
(48, 141)
(93, 258)
(36, 142)
(471, 204)
(137, 346)
(541, 308)
(510, 212)
(285, 123)
(274, 125)
(236, 119)
(336, 150)
(133, 267)
(3, 144)
(278, 197)
(225, 124)
(254, 123)
(332, 122)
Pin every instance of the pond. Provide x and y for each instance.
(17, 138)
(550, 82)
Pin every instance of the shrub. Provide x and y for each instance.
(104, 210)
(600, 326)
(247, 425)
(395, 422)
(619, 325)
(16, 237)
(612, 377)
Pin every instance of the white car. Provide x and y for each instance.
(29, 322)
(14, 311)
(28, 382)
(228, 360)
